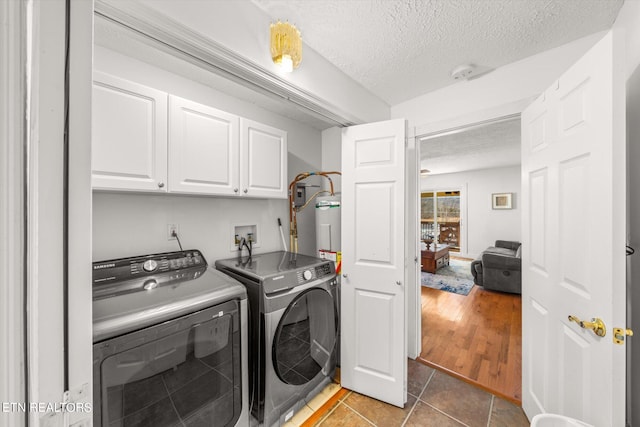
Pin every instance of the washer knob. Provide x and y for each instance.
(307, 275)
(150, 284)
(150, 265)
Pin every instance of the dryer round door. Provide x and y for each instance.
(305, 340)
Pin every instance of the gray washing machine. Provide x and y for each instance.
(170, 343)
(293, 329)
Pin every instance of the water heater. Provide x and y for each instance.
(328, 223)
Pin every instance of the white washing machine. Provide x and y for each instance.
(293, 325)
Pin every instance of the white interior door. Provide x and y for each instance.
(573, 179)
(373, 347)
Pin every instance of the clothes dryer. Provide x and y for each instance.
(293, 326)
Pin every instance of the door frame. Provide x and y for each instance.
(433, 129)
(13, 221)
(35, 310)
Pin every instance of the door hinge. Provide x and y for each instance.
(619, 334)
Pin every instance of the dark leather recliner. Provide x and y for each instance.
(499, 267)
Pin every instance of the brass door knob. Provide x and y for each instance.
(596, 325)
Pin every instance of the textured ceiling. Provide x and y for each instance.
(483, 147)
(400, 49)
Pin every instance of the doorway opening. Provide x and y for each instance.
(475, 337)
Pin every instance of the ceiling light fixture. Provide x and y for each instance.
(286, 46)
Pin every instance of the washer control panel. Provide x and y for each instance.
(314, 272)
(124, 269)
(324, 270)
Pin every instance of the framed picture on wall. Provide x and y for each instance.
(501, 201)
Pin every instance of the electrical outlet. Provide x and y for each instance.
(172, 230)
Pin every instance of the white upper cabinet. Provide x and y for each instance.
(149, 141)
(203, 149)
(263, 160)
(129, 136)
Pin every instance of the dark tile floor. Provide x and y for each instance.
(434, 399)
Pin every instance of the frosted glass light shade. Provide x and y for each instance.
(286, 46)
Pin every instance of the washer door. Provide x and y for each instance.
(305, 340)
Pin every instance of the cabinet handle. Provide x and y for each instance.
(245, 191)
(235, 190)
(160, 184)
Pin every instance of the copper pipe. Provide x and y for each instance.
(293, 222)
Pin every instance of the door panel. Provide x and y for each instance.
(575, 367)
(375, 152)
(538, 214)
(574, 244)
(372, 310)
(539, 384)
(573, 241)
(373, 356)
(374, 239)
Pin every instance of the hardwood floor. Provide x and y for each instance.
(477, 338)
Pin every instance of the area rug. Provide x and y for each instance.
(457, 268)
(455, 278)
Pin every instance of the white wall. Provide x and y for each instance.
(507, 84)
(135, 224)
(332, 155)
(629, 21)
(483, 224)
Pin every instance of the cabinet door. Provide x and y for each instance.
(203, 149)
(263, 160)
(129, 136)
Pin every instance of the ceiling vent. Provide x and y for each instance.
(462, 72)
